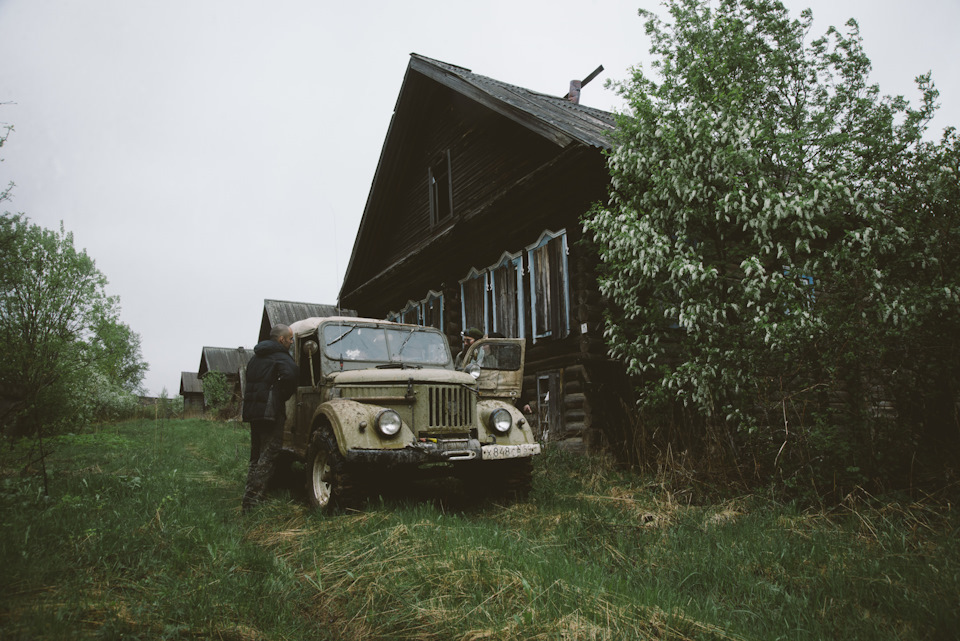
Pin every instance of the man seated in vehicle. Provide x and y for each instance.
(470, 336)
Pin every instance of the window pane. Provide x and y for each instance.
(550, 288)
(438, 178)
(542, 283)
(505, 301)
(558, 286)
(473, 293)
(410, 316)
(432, 313)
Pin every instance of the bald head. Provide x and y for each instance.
(282, 334)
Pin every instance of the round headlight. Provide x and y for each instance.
(501, 421)
(473, 370)
(388, 423)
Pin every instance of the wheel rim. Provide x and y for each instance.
(322, 487)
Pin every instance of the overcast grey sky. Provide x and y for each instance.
(209, 154)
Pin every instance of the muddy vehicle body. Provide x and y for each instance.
(378, 402)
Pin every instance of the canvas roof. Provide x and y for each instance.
(287, 312)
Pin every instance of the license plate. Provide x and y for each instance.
(498, 452)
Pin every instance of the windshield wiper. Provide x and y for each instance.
(404, 343)
(341, 336)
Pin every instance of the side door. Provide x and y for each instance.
(500, 361)
(300, 406)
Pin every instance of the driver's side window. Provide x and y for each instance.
(495, 356)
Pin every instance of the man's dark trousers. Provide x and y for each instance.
(268, 435)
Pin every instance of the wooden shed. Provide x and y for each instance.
(232, 362)
(472, 220)
(191, 389)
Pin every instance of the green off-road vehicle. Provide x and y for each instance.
(380, 403)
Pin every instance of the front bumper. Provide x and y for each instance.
(452, 451)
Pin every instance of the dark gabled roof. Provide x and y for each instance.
(223, 359)
(285, 312)
(190, 383)
(551, 116)
(565, 124)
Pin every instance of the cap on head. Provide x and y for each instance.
(474, 333)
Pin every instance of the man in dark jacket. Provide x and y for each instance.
(271, 380)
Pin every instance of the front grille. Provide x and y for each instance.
(450, 407)
(360, 392)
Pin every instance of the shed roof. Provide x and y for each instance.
(190, 383)
(223, 359)
(287, 312)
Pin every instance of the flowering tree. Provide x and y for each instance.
(217, 391)
(60, 331)
(780, 248)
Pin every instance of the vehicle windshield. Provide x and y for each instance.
(369, 344)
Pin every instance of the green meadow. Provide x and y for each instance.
(141, 537)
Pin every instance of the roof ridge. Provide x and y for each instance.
(473, 77)
(447, 64)
(561, 101)
(298, 302)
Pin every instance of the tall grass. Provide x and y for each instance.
(142, 538)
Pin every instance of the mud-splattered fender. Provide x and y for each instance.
(519, 433)
(354, 426)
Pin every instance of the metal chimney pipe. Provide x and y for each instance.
(574, 95)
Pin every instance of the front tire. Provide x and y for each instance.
(325, 472)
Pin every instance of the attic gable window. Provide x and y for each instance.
(549, 286)
(441, 188)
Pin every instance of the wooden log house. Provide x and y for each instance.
(473, 220)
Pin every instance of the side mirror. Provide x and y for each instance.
(310, 348)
